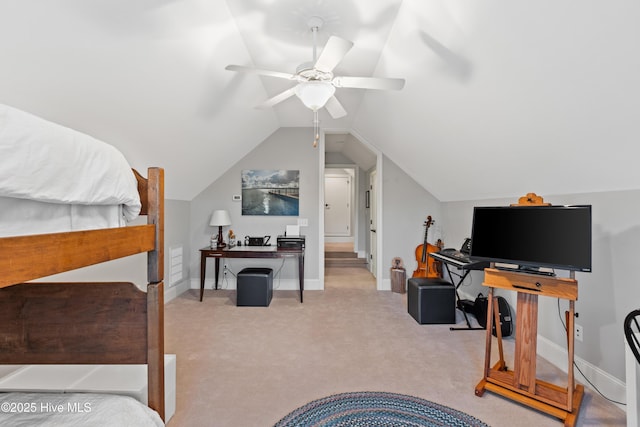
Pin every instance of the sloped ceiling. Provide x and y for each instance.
(501, 98)
(350, 148)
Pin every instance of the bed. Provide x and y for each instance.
(76, 323)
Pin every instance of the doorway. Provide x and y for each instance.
(338, 204)
(348, 163)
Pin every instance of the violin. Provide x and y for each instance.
(427, 266)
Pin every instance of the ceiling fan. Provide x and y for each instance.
(316, 84)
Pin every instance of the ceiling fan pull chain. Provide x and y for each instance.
(316, 129)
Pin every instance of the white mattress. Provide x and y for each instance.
(35, 383)
(82, 183)
(74, 409)
(22, 217)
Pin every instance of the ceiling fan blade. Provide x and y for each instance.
(277, 99)
(333, 52)
(382, 83)
(259, 71)
(335, 109)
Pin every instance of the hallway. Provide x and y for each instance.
(343, 270)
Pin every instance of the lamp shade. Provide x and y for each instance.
(314, 94)
(220, 218)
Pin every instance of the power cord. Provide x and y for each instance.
(277, 274)
(226, 269)
(578, 368)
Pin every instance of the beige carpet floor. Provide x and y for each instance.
(250, 366)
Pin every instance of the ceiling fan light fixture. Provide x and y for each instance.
(314, 94)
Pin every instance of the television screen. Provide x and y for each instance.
(533, 236)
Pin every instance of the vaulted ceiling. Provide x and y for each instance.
(501, 98)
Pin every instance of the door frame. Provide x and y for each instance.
(373, 183)
(379, 194)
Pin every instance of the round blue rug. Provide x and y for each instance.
(376, 409)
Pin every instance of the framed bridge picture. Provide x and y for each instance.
(270, 192)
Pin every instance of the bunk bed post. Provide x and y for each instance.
(155, 216)
(155, 293)
(155, 348)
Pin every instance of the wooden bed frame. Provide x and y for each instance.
(87, 323)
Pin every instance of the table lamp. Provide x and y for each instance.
(219, 219)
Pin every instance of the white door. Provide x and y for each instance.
(373, 224)
(337, 213)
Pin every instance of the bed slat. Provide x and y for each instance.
(58, 252)
(80, 323)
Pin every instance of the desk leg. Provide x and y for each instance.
(301, 274)
(203, 269)
(217, 271)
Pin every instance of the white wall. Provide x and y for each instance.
(287, 148)
(405, 207)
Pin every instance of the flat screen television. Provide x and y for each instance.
(531, 237)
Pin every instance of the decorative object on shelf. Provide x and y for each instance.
(397, 263)
(531, 199)
(219, 218)
(398, 276)
(232, 238)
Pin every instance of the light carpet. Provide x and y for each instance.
(250, 366)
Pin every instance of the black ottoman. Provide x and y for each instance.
(431, 300)
(255, 287)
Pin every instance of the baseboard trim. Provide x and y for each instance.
(606, 383)
(175, 291)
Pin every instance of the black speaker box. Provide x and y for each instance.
(431, 300)
(255, 287)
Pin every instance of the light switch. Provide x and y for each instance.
(303, 222)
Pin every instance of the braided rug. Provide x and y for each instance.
(376, 409)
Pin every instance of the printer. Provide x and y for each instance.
(290, 242)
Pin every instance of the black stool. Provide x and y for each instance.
(255, 287)
(431, 300)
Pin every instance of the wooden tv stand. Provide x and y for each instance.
(521, 384)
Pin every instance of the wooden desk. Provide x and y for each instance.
(248, 252)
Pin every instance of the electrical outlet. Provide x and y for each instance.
(579, 332)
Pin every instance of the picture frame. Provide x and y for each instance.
(271, 192)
